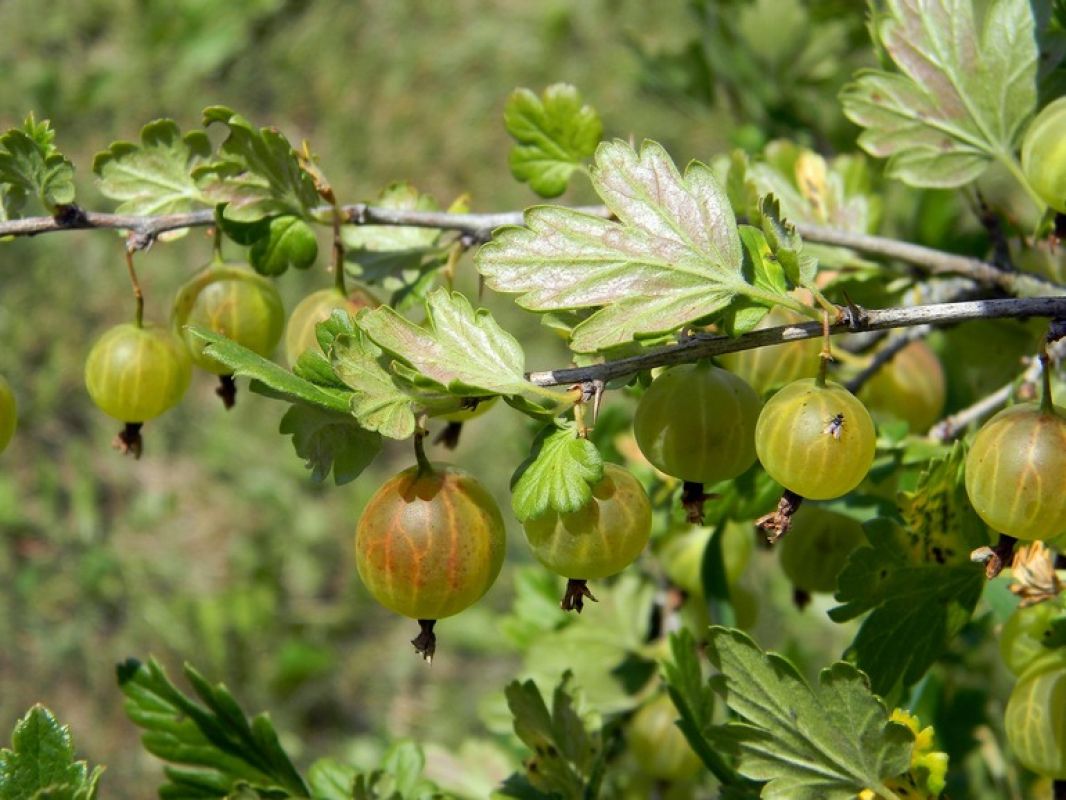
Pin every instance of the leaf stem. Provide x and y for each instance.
(1015, 169)
(424, 466)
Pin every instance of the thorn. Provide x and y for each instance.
(854, 314)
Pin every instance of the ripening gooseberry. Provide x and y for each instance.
(8, 414)
(232, 300)
(817, 547)
(697, 422)
(816, 441)
(1021, 642)
(135, 373)
(1035, 719)
(1016, 472)
(430, 542)
(658, 745)
(768, 368)
(910, 387)
(600, 539)
(682, 555)
(1044, 154)
(317, 307)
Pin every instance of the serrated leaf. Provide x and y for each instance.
(32, 167)
(328, 441)
(786, 244)
(941, 523)
(154, 176)
(827, 742)
(464, 350)
(554, 132)
(216, 747)
(917, 608)
(694, 701)
(41, 763)
(377, 400)
(558, 474)
(962, 95)
(673, 258)
(329, 779)
(268, 376)
(566, 753)
(258, 173)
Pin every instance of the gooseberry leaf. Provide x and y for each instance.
(463, 350)
(154, 176)
(558, 475)
(218, 748)
(567, 756)
(917, 606)
(258, 173)
(267, 377)
(40, 764)
(31, 166)
(785, 243)
(962, 95)
(377, 400)
(826, 742)
(674, 256)
(942, 525)
(327, 440)
(555, 133)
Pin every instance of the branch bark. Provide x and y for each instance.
(705, 345)
(478, 227)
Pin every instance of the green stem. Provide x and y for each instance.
(775, 299)
(827, 352)
(424, 467)
(1047, 404)
(138, 295)
(1015, 169)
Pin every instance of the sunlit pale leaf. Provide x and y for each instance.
(673, 257)
(962, 95)
(377, 400)
(154, 176)
(459, 348)
(258, 173)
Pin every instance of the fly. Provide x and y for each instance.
(835, 426)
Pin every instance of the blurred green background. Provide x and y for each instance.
(216, 547)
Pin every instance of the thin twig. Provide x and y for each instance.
(479, 227)
(951, 427)
(700, 346)
(889, 351)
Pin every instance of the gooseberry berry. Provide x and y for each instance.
(817, 547)
(697, 422)
(1035, 719)
(1021, 642)
(232, 300)
(1016, 472)
(601, 538)
(910, 387)
(317, 307)
(1044, 154)
(8, 414)
(769, 368)
(815, 440)
(658, 745)
(429, 543)
(135, 373)
(682, 555)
